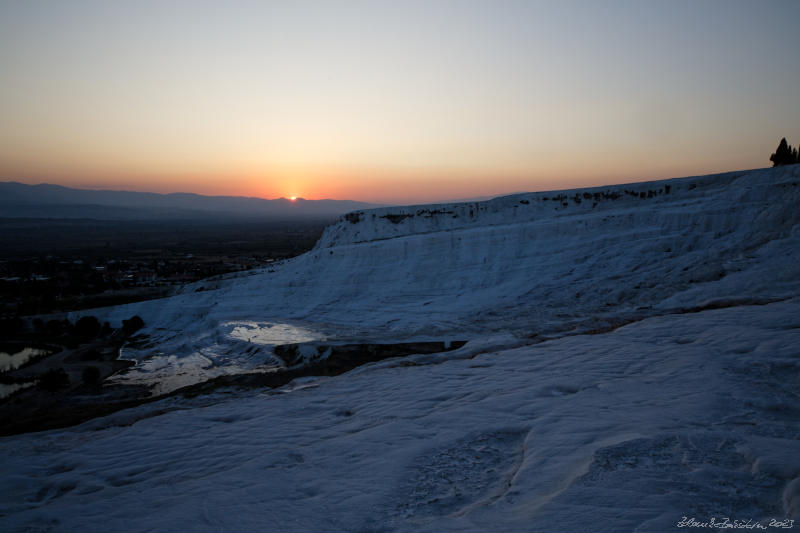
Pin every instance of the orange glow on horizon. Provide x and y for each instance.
(385, 185)
(384, 104)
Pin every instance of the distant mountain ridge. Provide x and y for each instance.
(18, 200)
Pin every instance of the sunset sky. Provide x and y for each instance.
(395, 101)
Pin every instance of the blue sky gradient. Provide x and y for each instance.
(392, 101)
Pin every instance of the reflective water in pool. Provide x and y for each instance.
(7, 389)
(240, 346)
(11, 359)
(273, 333)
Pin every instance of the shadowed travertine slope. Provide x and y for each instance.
(687, 412)
(525, 264)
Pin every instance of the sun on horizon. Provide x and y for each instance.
(391, 102)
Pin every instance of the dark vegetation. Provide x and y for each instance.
(36, 331)
(784, 155)
(48, 266)
(79, 357)
(90, 376)
(132, 325)
(53, 380)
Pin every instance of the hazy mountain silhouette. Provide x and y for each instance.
(18, 200)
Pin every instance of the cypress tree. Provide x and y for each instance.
(784, 155)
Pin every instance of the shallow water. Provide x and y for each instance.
(10, 361)
(7, 389)
(271, 333)
(165, 372)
